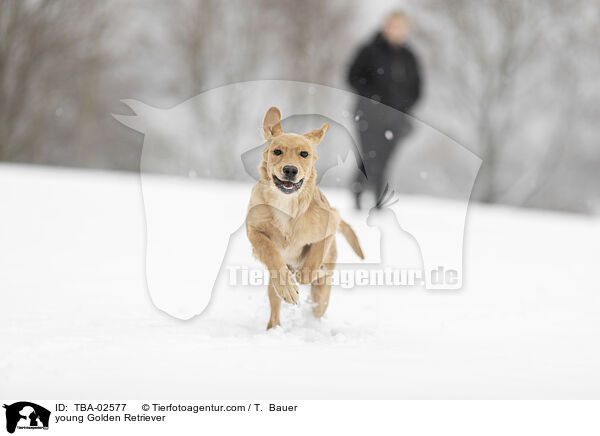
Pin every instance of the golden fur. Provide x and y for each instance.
(293, 234)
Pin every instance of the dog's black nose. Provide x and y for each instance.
(290, 171)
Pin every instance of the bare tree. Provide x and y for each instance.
(503, 71)
(55, 81)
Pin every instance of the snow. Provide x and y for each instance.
(76, 320)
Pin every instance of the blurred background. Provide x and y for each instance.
(515, 82)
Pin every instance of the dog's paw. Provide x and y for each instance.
(309, 275)
(286, 286)
(273, 323)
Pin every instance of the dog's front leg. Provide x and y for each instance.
(281, 277)
(313, 269)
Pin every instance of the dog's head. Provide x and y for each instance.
(288, 158)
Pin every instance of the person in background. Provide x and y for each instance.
(386, 72)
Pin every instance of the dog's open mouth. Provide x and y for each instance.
(287, 186)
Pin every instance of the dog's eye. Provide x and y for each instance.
(304, 154)
(277, 152)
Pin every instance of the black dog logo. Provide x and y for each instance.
(26, 415)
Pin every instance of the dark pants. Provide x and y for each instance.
(380, 129)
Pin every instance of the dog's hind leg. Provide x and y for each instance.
(275, 301)
(321, 289)
(320, 295)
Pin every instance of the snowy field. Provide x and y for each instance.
(76, 320)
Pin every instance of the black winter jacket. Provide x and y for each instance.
(387, 74)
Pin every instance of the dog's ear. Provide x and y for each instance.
(316, 136)
(272, 123)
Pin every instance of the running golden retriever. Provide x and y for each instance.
(290, 223)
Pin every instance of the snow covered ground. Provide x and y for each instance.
(76, 320)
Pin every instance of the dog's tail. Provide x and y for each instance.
(350, 236)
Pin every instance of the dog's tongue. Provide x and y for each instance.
(288, 185)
